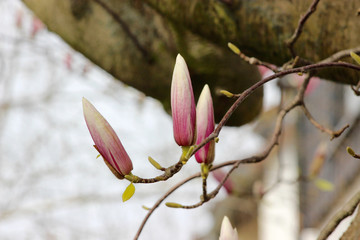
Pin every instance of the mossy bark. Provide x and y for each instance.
(139, 47)
(137, 41)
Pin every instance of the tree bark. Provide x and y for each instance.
(135, 44)
(137, 40)
(260, 28)
(353, 232)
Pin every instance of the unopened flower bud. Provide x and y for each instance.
(227, 232)
(205, 125)
(183, 104)
(106, 141)
(234, 48)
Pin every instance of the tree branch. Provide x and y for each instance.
(332, 133)
(290, 42)
(346, 211)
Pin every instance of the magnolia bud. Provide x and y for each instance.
(183, 104)
(205, 125)
(106, 141)
(227, 232)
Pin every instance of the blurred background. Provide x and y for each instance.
(51, 184)
(53, 187)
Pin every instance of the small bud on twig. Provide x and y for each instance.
(355, 57)
(352, 153)
(155, 164)
(146, 208)
(173, 205)
(204, 170)
(227, 93)
(234, 48)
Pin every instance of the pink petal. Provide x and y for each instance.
(106, 140)
(205, 124)
(183, 104)
(227, 232)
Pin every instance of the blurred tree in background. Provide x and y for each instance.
(137, 41)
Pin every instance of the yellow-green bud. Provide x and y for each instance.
(173, 205)
(234, 48)
(204, 170)
(146, 208)
(350, 151)
(355, 57)
(155, 163)
(227, 93)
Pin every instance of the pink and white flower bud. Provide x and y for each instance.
(183, 104)
(106, 141)
(227, 232)
(205, 125)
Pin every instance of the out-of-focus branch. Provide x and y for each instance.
(340, 55)
(251, 60)
(290, 42)
(332, 133)
(346, 211)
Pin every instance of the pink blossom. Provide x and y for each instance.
(106, 141)
(205, 125)
(227, 232)
(183, 104)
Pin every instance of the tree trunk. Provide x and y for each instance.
(137, 41)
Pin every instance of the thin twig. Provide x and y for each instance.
(204, 188)
(157, 204)
(357, 156)
(356, 89)
(253, 60)
(215, 191)
(346, 211)
(333, 134)
(292, 40)
(340, 55)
